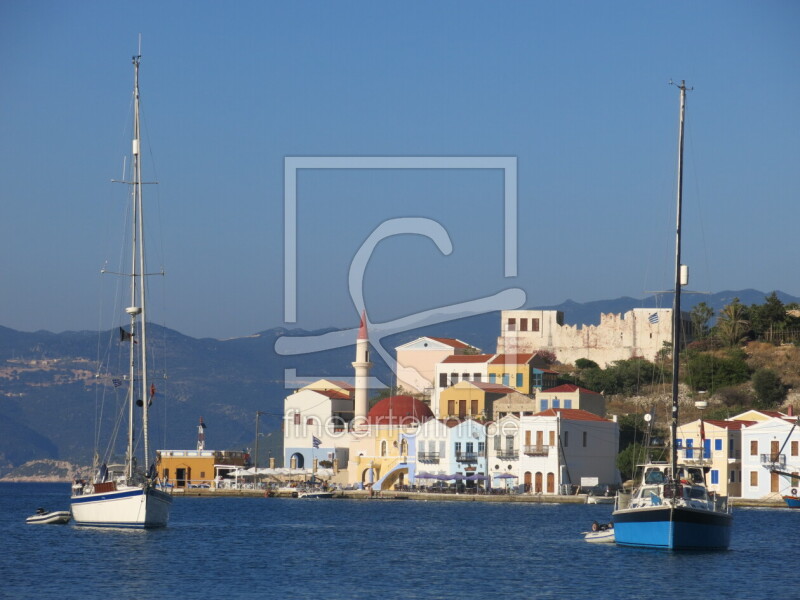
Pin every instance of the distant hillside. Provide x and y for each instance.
(50, 397)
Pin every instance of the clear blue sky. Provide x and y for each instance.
(576, 91)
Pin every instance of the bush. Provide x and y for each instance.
(709, 372)
(585, 363)
(770, 390)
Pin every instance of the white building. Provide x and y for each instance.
(765, 450)
(449, 447)
(561, 446)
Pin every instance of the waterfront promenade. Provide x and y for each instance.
(439, 497)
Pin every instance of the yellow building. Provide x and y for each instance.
(474, 399)
(719, 450)
(187, 468)
(526, 373)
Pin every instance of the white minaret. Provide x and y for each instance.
(362, 367)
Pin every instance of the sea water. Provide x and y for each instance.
(232, 548)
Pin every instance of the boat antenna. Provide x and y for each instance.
(679, 280)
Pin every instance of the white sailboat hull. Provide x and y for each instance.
(127, 507)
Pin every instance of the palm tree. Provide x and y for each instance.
(732, 325)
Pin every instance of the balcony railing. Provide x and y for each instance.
(777, 460)
(507, 455)
(466, 457)
(536, 450)
(429, 457)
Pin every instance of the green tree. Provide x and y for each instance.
(585, 363)
(770, 390)
(732, 325)
(708, 372)
(701, 315)
(768, 318)
(634, 455)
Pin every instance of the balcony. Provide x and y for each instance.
(773, 460)
(536, 450)
(507, 455)
(467, 457)
(428, 457)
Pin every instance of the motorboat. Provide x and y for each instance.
(45, 517)
(314, 494)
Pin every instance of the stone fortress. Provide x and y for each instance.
(640, 332)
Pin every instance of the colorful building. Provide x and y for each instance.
(470, 399)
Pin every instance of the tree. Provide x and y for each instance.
(701, 315)
(732, 325)
(708, 372)
(770, 390)
(768, 318)
(585, 363)
(634, 455)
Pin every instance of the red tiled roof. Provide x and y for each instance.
(511, 359)
(468, 358)
(571, 414)
(568, 388)
(451, 342)
(399, 410)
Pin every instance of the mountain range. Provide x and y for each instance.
(51, 395)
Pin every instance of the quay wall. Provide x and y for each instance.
(392, 495)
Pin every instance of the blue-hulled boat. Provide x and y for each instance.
(792, 501)
(671, 508)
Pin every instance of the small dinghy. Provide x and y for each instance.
(600, 534)
(44, 517)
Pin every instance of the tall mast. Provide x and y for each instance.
(676, 307)
(138, 290)
(142, 273)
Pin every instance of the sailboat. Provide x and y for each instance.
(671, 508)
(129, 497)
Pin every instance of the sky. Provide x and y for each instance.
(571, 98)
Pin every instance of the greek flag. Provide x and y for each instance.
(315, 441)
(116, 382)
(653, 318)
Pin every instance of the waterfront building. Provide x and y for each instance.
(560, 446)
(717, 446)
(640, 332)
(765, 450)
(503, 451)
(417, 360)
(198, 467)
(317, 418)
(451, 447)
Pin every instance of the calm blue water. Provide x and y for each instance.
(235, 548)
